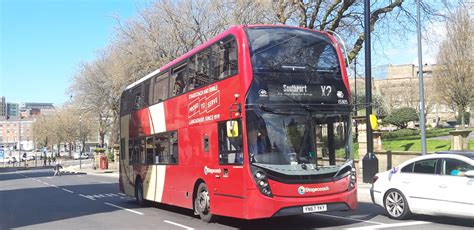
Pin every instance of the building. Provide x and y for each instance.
(13, 109)
(17, 133)
(398, 86)
(32, 109)
(3, 108)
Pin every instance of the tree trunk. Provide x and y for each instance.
(461, 110)
(102, 139)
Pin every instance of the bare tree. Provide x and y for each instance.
(454, 75)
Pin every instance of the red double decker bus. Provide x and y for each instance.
(254, 123)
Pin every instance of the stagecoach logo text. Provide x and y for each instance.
(302, 190)
(202, 105)
(295, 89)
(211, 171)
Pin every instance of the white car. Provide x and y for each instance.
(8, 160)
(434, 184)
(83, 156)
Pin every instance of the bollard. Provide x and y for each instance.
(370, 166)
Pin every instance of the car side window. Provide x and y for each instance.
(455, 167)
(425, 166)
(408, 168)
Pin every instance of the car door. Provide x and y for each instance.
(419, 186)
(456, 190)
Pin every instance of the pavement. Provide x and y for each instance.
(88, 169)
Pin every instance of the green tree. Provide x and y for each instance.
(400, 117)
(467, 120)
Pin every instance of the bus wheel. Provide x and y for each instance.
(139, 192)
(202, 203)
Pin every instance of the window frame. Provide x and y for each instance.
(222, 127)
(443, 166)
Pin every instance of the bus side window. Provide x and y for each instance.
(131, 151)
(230, 148)
(178, 80)
(164, 144)
(126, 102)
(137, 97)
(160, 88)
(142, 147)
(174, 147)
(224, 58)
(147, 96)
(149, 150)
(199, 69)
(122, 148)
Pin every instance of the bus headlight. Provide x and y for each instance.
(262, 183)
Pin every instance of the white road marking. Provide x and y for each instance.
(126, 209)
(179, 225)
(69, 191)
(389, 225)
(52, 185)
(88, 197)
(49, 177)
(347, 218)
(123, 194)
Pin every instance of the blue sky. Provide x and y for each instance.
(43, 41)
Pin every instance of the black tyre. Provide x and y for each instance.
(396, 205)
(139, 192)
(202, 203)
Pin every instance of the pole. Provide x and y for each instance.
(420, 76)
(368, 76)
(80, 138)
(355, 85)
(19, 143)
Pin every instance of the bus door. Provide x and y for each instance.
(229, 187)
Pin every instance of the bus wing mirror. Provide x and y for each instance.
(232, 129)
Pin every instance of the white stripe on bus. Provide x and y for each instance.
(160, 181)
(157, 113)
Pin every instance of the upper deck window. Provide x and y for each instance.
(292, 50)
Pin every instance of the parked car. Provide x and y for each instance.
(434, 184)
(28, 158)
(9, 160)
(83, 156)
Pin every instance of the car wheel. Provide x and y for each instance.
(202, 203)
(139, 192)
(396, 205)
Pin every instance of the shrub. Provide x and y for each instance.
(400, 133)
(467, 117)
(400, 117)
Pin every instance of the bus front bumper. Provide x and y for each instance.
(261, 206)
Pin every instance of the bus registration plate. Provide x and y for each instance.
(315, 208)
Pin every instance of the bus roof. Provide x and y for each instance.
(231, 30)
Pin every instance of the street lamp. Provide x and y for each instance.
(420, 83)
